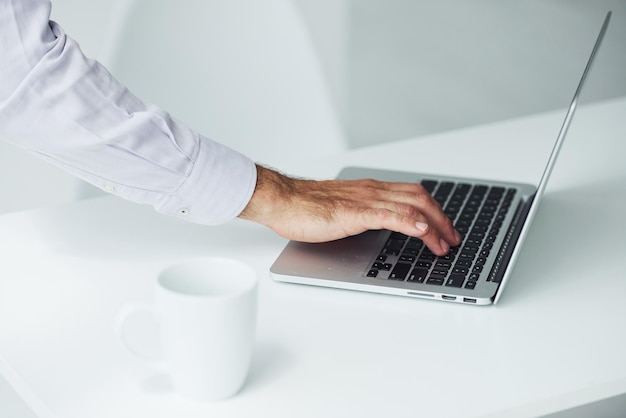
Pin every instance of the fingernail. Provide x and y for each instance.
(421, 226)
(457, 236)
(444, 246)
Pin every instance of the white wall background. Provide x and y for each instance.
(418, 66)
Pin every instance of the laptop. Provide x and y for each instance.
(493, 217)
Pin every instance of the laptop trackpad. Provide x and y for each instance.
(341, 259)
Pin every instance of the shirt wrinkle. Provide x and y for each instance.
(72, 112)
(145, 158)
(185, 176)
(86, 174)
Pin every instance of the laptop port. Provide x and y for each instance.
(469, 300)
(446, 297)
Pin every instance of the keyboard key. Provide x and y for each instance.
(443, 264)
(480, 228)
(381, 266)
(427, 257)
(442, 193)
(391, 251)
(429, 185)
(466, 255)
(470, 285)
(481, 189)
(473, 241)
(497, 190)
(464, 263)
(461, 223)
(448, 257)
(483, 222)
(470, 248)
(415, 243)
(477, 236)
(435, 280)
(395, 244)
(455, 280)
(461, 271)
(417, 275)
(423, 264)
(467, 216)
(400, 271)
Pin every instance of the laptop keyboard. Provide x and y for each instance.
(477, 211)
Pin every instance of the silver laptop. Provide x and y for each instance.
(493, 217)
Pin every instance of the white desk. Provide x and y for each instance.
(555, 340)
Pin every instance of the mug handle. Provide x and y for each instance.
(138, 327)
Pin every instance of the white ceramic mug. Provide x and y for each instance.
(206, 312)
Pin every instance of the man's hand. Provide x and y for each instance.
(317, 211)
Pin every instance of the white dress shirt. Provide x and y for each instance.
(68, 109)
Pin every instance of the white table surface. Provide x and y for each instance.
(556, 339)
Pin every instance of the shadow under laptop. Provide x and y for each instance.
(566, 244)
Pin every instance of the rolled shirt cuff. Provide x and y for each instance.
(218, 188)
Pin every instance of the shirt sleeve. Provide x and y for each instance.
(69, 110)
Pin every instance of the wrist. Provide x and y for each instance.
(271, 191)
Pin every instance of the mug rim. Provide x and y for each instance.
(246, 279)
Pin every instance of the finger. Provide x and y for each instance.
(440, 222)
(412, 201)
(433, 240)
(436, 218)
(393, 221)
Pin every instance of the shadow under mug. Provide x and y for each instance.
(205, 317)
